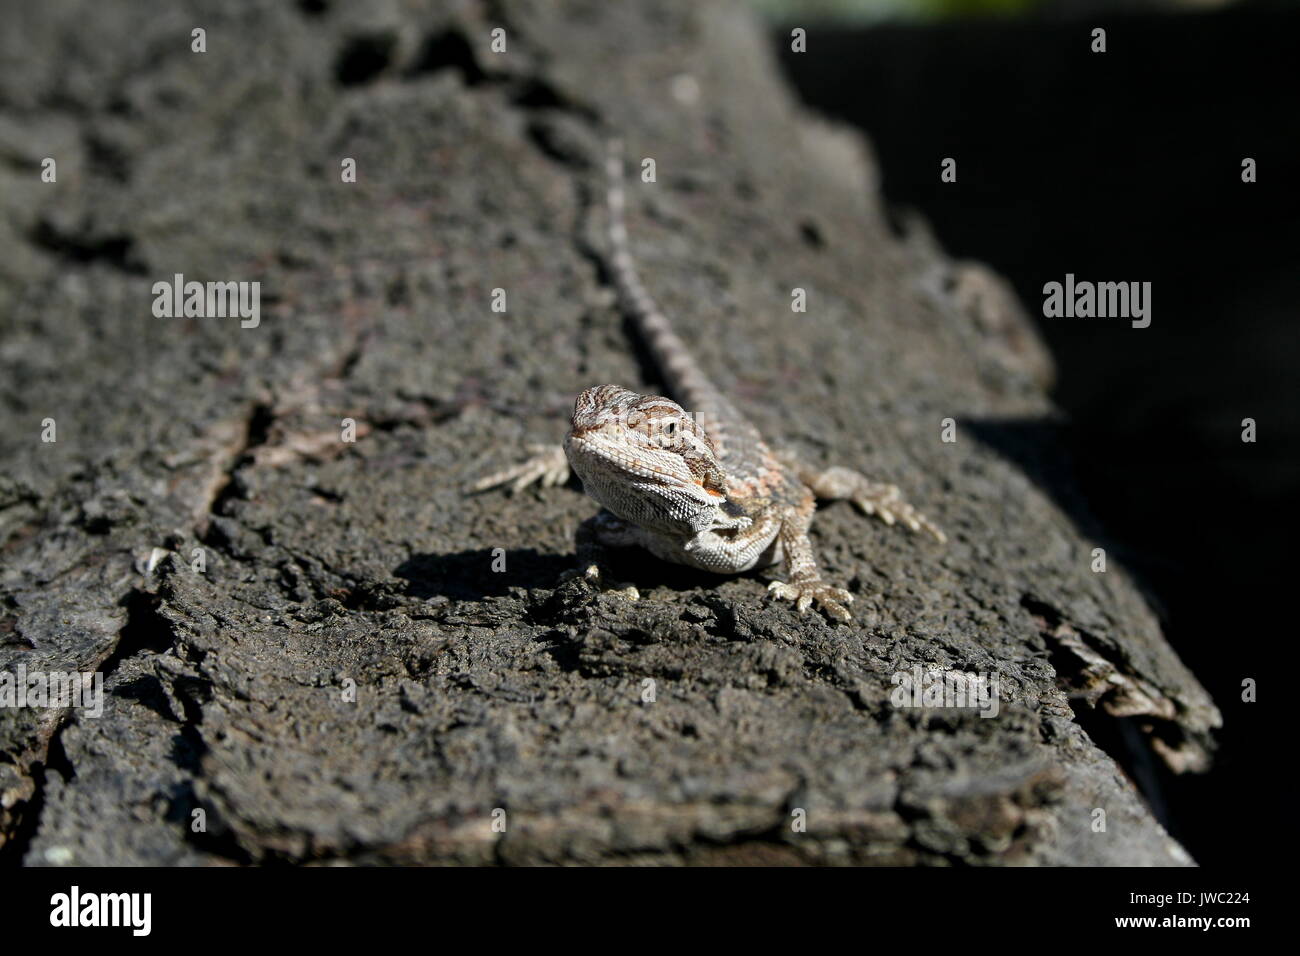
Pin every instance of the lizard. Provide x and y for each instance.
(700, 488)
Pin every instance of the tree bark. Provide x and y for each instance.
(307, 652)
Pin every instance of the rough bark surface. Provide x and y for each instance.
(330, 562)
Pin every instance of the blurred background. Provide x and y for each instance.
(1124, 166)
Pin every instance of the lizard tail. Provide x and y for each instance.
(684, 378)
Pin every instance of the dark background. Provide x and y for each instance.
(1126, 166)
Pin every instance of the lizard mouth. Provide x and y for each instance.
(599, 444)
(593, 433)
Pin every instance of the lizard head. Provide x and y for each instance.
(646, 459)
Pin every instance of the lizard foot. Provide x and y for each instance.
(830, 600)
(886, 503)
(593, 576)
(877, 498)
(547, 467)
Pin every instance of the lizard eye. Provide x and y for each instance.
(670, 428)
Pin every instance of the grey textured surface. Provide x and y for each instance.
(330, 562)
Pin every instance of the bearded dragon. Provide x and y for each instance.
(700, 488)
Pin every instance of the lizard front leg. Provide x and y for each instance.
(592, 541)
(805, 585)
(547, 467)
(883, 500)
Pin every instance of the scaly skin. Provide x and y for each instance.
(700, 488)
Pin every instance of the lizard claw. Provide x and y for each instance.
(877, 498)
(593, 576)
(886, 503)
(830, 600)
(546, 467)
